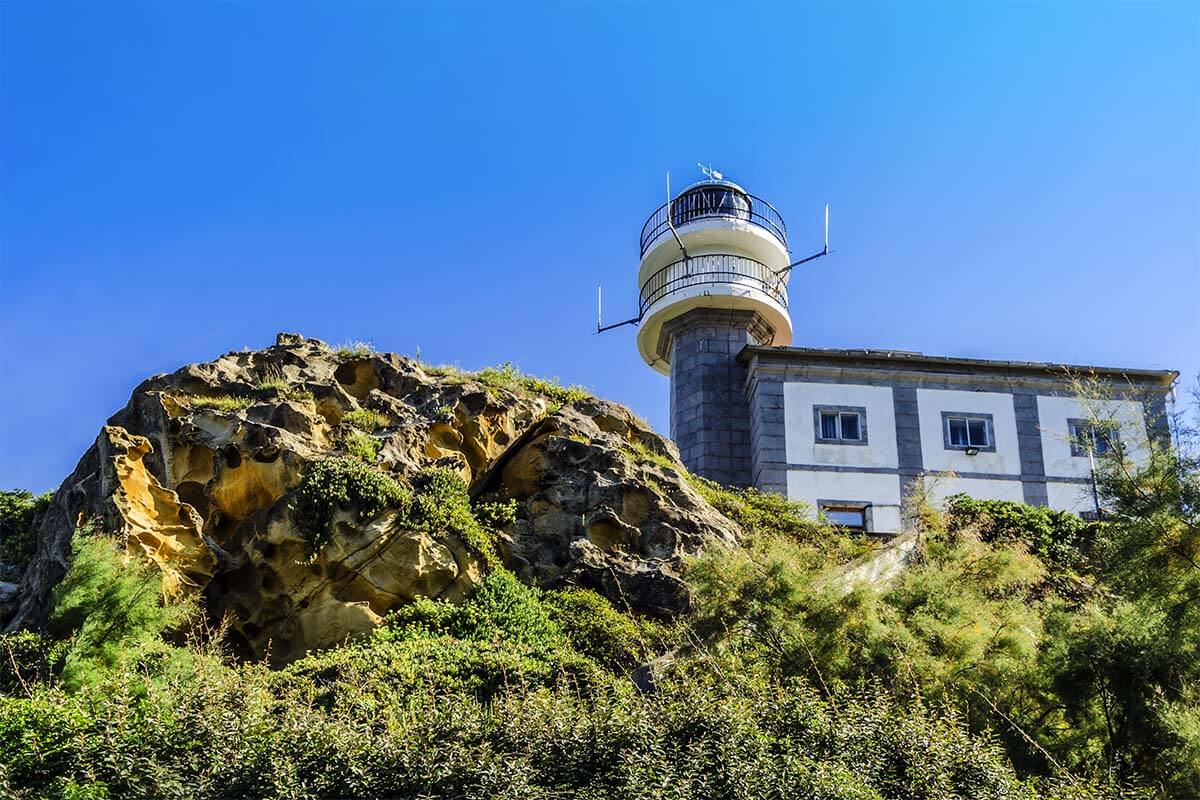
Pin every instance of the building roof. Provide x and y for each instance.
(907, 359)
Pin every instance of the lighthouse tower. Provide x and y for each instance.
(713, 279)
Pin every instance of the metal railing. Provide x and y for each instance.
(712, 269)
(699, 204)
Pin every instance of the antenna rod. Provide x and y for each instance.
(671, 220)
(823, 252)
(827, 229)
(599, 307)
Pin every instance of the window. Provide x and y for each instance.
(840, 424)
(1091, 437)
(964, 431)
(848, 515)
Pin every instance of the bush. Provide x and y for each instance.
(442, 503)
(763, 512)
(109, 606)
(27, 659)
(360, 722)
(365, 419)
(19, 512)
(502, 610)
(343, 483)
(598, 631)
(361, 445)
(1060, 539)
(437, 502)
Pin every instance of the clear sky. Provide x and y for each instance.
(178, 180)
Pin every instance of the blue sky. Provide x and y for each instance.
(180, 179)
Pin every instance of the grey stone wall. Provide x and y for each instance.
(768, 456)
(1029, 447)
(911, 464)
(710, 412)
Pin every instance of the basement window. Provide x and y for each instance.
(848, 515)
(1086, 436)
(840, 424)
(968, 431)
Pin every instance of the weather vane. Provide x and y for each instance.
(709, 172)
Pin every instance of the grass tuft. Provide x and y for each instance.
(353, 349)
(270, 379)
(507, 376)
(365, 419)
(224, 403)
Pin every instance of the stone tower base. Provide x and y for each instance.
(710, 415)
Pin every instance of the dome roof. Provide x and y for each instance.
(715, 183)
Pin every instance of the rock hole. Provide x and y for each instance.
(267, 549)
(242, 580)
(192, 493)
(606, 535)
(232, 456)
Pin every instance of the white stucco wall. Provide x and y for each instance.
(1053, 413)
(799, 400)
(1006, 460)
(939, 488)
(1073, 497)
(881, 491)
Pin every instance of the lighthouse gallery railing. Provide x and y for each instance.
(712, 269)
(694, 206)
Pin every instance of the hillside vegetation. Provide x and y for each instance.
(1024, 654)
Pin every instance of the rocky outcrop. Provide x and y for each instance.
(200, 473)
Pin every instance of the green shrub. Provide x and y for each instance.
(365, 419)
(344, 483)
(361, 445)
(441, 503)
(495, 515)
(27, 659)
(399, 720)
(502, 609)
(437, 502)
(598, 631)
(1061, 539)
(763, 512)
(19, 511)
(110, 608)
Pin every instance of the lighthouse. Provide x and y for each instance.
(853, 433)
(712, 280)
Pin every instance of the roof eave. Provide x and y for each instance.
(890, 358)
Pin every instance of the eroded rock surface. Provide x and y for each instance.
(199, 473)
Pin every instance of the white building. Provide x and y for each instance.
(850, 431)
